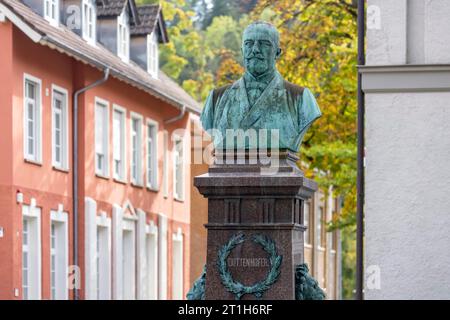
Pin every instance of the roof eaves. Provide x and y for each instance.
(46, 40)
(162, 25)
(34, 34)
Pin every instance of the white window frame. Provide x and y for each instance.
(152, 173)
(152, 55)
(129, 254)
(105, 139)
(63, 164)
(163, 256)
(151, 256)
(165, 164)
(123, 36)
(138, 180)
(177, 275)
(103, 256)
(36, 156)
(32, 214)
(320, 232)
(123, 147)
(89, 9)
(52, 17)
(179, 197)
(60, 220)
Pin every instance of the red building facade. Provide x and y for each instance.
(128, 236)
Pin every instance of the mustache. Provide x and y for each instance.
(253, 56)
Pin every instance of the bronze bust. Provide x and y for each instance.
(261, 98)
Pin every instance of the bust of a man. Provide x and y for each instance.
(261, 98)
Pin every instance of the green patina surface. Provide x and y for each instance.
(261, 99)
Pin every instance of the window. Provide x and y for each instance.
(152, 156)
(152, 54)
(321, 228)
(119, 142)
(136, 149)
(101, 138)
(97, 252)
(59, 250)
(53, 261)
(25, 259)
(59, 128)
(123, 36)
(97, 262)
(32, 119)
(129, 260)
(103, 257)
(332, 240)
(334, 214)
(152, 261)
(166, 164)
(162, 256)
(306, 215)
(177, 266)
(51, 11)
(178, 169)
(89, 20)
(31, 253)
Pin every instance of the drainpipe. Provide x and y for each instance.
(360, 159)
(176, 118)
(75, 166)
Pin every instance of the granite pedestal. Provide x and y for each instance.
(247, 202)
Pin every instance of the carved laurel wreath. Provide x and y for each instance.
(258, 289)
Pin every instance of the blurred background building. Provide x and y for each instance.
(129, 237)
(406, 82)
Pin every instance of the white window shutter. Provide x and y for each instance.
(99, 132)
(162, 257)
(117, 128)
(142, 273)
(117, 230)
(90, 226)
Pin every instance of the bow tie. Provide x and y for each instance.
(255, 85)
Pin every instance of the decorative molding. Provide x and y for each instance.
(128, 206)
(232, 210)
(267, 211)
(405, 78)
(18, 22)
(257, 289)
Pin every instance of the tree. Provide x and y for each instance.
(319, 43)
(220, 8)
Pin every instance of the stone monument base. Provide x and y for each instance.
(255, 227)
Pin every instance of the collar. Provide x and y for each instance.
(264, 78)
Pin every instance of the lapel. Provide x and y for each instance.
(252, 114)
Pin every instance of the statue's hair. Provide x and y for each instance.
(272, 30)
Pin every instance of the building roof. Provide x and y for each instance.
(109, 8)
(148, 17)
(113, 8)
(64, 40)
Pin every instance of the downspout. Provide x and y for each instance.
(75, 167)
(178, 117)
(360, 159)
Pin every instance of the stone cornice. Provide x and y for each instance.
(405, 78)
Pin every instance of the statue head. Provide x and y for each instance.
(260, 48)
